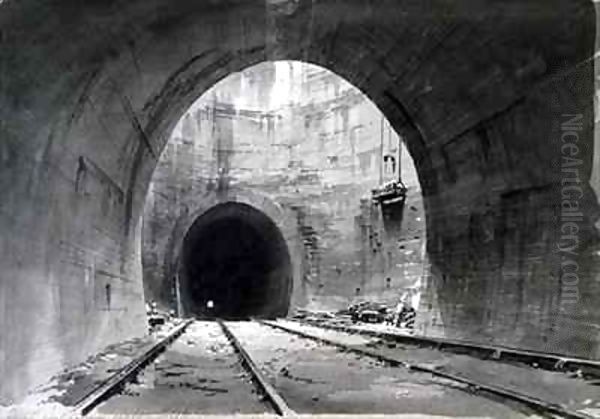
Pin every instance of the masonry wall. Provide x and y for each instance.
(312, 144)
(459, 81)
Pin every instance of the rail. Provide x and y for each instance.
(115, 382)
(279, 405)
(548, 361)
(534, 403)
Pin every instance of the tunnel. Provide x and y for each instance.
(235, 257)
(484, 93)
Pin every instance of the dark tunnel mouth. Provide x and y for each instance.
(235, 256)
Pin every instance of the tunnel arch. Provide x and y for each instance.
(180, 192)
(236, 257)
(471, 86)
(196, 208)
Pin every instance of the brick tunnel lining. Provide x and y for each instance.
(236, 256)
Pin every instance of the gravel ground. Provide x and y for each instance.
(316, 379)
(199, 373)
(54, 398)
(556, 387)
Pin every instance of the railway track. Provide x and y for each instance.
(203, 371)
(278, 403)
(116, 382)
(266, 367)
(541, 406)
(585, 368)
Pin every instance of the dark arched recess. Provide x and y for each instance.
(236, 257)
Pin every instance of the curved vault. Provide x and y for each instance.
(477, 89)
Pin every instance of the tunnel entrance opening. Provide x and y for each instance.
(477, 92)
(329, 137)
(234, 264)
